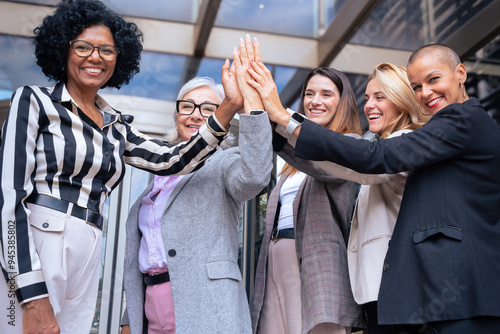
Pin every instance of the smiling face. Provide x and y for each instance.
(379, 110)
(188, 125)
(321, 99)
(90, 73)
(436, 82)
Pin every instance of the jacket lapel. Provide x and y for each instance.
(185, 179)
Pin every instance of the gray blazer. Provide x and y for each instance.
(322, 209)
(199, 228)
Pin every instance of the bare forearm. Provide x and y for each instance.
(225, 113)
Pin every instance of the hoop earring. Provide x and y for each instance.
(463, 89)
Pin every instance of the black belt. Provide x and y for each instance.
(287, 233)
(90, 217)
(156, 279)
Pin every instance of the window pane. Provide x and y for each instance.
(484, 84)
(290, 17)
(182, 11)
(158, 79)
(210, 67)
(17, 66)
(409, 24)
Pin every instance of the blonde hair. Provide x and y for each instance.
(393, 82)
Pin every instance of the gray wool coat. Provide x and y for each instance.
(199, 228)
(322, 210)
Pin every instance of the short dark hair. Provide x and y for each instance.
(346, 119)
(71, 17)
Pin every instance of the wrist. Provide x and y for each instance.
(249, 106)
(295, 121)
(282, 117)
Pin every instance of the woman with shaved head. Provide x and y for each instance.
(441, 271)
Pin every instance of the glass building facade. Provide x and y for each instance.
(183, 39)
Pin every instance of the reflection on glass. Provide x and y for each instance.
(17, 66)
(409, 24)
(282, 75)
(394, 24)
(481, 84)
(182, 11)
(140, 180)
(39, 2)
(210, 67)
(358, 84)
(331, 9)
(158, 79)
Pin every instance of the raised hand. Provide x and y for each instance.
(233, 100)
(229, 82)
(262, 80)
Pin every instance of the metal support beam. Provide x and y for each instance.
(203, 27)
(348, 20)
(204, 24)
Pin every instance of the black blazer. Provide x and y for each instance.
(443, 261)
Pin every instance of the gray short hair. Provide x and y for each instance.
(197, 82)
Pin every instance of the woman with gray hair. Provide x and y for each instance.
(181, 268)
(192, 84)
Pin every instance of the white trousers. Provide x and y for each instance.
(70, 254)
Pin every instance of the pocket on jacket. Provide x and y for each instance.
(452, 232)
(223, 269)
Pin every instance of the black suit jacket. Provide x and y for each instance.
(443, 261)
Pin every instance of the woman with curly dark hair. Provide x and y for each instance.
(63, 152)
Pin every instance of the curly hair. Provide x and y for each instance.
(71, 17)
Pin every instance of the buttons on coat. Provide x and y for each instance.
(172, 252)
(354, 248)
(386, 267)
(45, 225)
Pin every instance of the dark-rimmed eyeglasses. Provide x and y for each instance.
(85, 49)
(185, 107)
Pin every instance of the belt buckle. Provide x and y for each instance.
(274, 233)
(98, 223)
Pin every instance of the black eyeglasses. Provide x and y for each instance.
(85, 49)
(184, 107)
